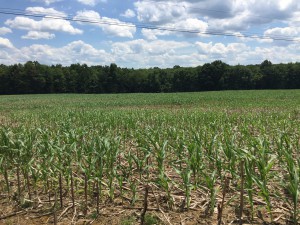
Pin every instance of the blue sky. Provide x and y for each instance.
(115, 35)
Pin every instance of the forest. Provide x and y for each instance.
(35, 78)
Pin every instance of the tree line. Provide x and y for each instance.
(35, 78)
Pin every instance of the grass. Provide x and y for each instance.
(184, 146)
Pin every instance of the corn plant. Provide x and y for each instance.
(210, 181)
(249, 164)
(195, 158)
(292, 183)
(185, 175)
(264, 163)
(7, 155)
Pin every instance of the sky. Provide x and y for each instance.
(101, 32)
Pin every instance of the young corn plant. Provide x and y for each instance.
(230, 154)
(210, 181)
(163, 181)
(99, 154)
(264, 162)
(249, 173)
(27, 155)
(86, 165)
(185, 175)
(7, 154)
(141, 161)
(133, 188)
(292, 183)
(112, 150)
(195, 160)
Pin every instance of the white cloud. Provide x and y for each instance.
(77, 52)
(142, 53)
(46, 2)
(90, 15)
(4, 30)
(44, 25)
(160, 13)
(35, 35)
(88, 2)
(233, 24)
(283, 32)
(294, 21)
(232, 53)
(220, 48)
(5, 43)
(153, 34)
(249, 38)
(156, 47)
(128, 13)
(45, 11)
(125, 30)
(223, 16)
(91, 2)
(194, 27)
(110, 26)
(240, 53)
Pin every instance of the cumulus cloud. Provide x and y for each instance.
(153, 34)
(128, 13)
(89, 15)
(221, 15)
(193, 27)
(77, 51)
(283, 32)
(240, 53)
(44, 25)
(248, 38)
(91, 2)
(47, 2)
(160, 13)
(163, 53)
(5, 43)
(110, 26)
(221, 49)
(156, 47)
(45, 11)
(232, 53)
(126, 30)
(143, 53)
(4, 30)
(35, 35)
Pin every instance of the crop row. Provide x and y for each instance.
(95, 157)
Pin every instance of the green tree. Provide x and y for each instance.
(237, 78)
(58, 79)
(211, 74)
(293, 76)
(34, 77)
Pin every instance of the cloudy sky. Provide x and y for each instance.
(100, 32)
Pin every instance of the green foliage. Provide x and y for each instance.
(34, 78)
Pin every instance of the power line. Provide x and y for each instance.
(17, 12)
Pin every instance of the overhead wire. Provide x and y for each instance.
(18, 12)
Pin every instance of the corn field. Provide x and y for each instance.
(184, 158)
